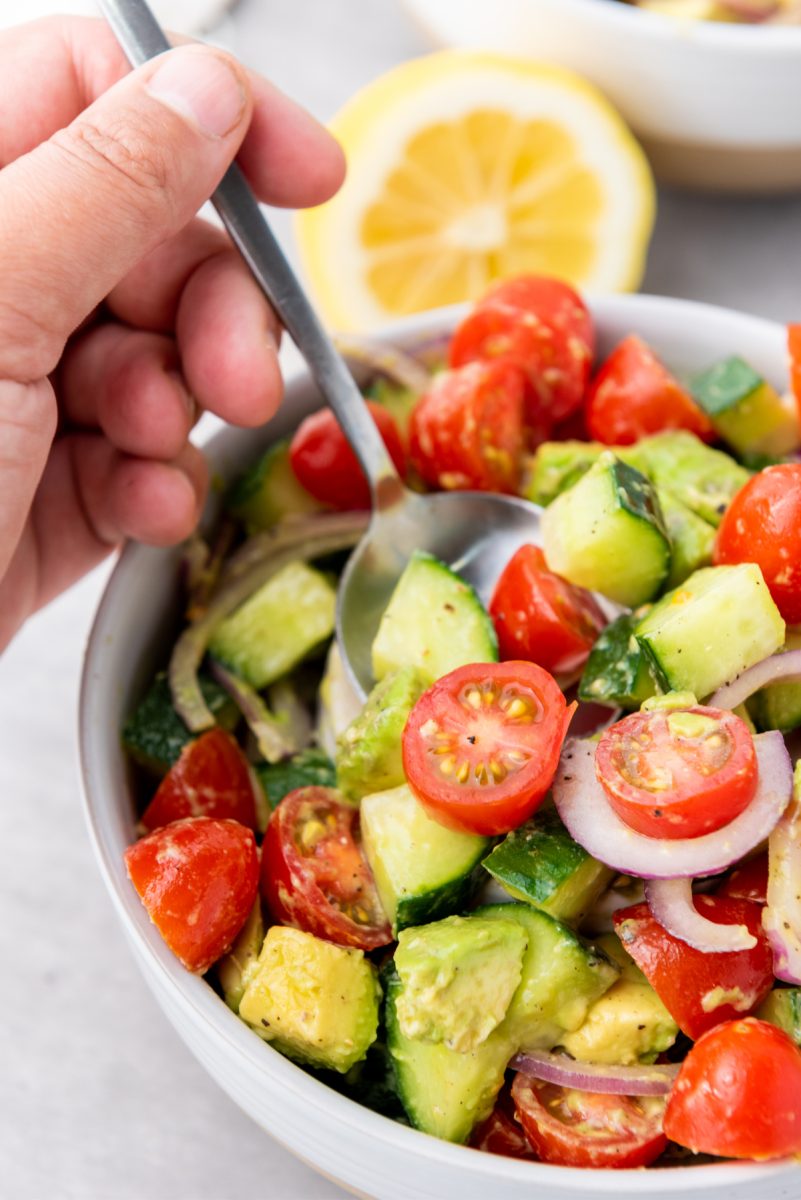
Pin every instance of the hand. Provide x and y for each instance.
(121, 313)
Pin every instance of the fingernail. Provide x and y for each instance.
(202, 86)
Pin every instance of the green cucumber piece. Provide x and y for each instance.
(270, 491)
(422, 870)
(618, 672)
(607, 533)
(369, 755)
(782, 1007)
(154, 735)
(745, 410)
(691, 538)
(703, 479)
(779, 705)
(721, 621)
(309, 768)
(556, 466)
(542, 865)
(434, 622)
(275, 629)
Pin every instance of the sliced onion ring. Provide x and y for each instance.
(273, 736)
(593, 823)
(781, 917)
(386, 359)
(779, 667)
(640, 1080)
(671, 903)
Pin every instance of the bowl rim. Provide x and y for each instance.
(210, 1011)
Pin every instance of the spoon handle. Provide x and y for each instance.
(142, 38)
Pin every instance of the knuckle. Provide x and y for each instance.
(119, 150)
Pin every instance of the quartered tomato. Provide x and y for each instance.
(762, 525)
(748, 881)
(500, 1133)
(677, 774)
(589, 1129)
(700, 990)
(466, 432)
(738, 1093)
(794, 352)
(198, 879)
(481, 746)
(325, 465)
(314, 875)
(634, 395)
(210, 779)
(551, 299)
(541, 617)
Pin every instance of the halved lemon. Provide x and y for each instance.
(465, 167)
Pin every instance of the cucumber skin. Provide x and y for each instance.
(443, 901)
(310, 768)
(154, 735)
(618, 672)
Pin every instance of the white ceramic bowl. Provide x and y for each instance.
(365, 1152)
(715, 105)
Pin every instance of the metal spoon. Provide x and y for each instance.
(475, 533)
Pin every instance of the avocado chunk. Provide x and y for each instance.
(154, 735)
(458, 977)
(309, 768)
(691, 538)
(289, 616)
(704, 480)
(628, 1024)
(369, 751)
(782, 1007)
(556, 466)
(234, 970)
(316, 1002)
(269, 491)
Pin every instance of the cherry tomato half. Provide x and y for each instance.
(198, 879)
(589, 1129)
(677, 774)
(794, 353)
(551, 299)
(738, 1093)
(749, 881)
(762, 525)
(481, 746)
(500, 1133)
(325, 465)
(210, 779)
(314, 875)
(634, 395)
(700, 990)
(466, 432)
(541, 617)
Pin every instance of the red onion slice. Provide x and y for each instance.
(640, 1080)
(273, 736)
(781, 917)
(593, 823)
(785, 667)
(671, 903)
(386, 360)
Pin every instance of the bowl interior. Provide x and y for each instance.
(130, 638)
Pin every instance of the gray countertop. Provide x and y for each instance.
(100, 1100)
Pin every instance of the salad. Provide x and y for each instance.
(539, 892)
(749, 12)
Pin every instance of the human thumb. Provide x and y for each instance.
(79, 211)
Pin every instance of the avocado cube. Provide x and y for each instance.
(233, 971)
(703, 479)
(556, 466)
(369, 755)
(316, 1002)
(783, 1009)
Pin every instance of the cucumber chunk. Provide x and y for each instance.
(745, 410)
(369, 755)
(309, 768)
(434, 622)
(779, 705)
(541, 864)
(270, 491)
(618, 672)
(422, 870)
(703, 479)
(721, 621)
(279, 625)
(783, 1008)
(154, 735)
(691, 538)
(607, 533)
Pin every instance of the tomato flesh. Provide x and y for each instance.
(500, 1133)
(700, 990)
(678, 774)
(198, 879)
(481, 746)
(210, 779)
(541, 617)
(794, 353)
(749, 881)
(634, 395)
(550, 299)
(314, 875)
(466, 432)
(589, 1129)
(328, 469)
(738, 1093)
(762, 525)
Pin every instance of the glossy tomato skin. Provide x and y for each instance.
(634, 395)
(588, 1129)
(794, 354)
(466, 432)
(481, 745)
(748, 881)
(700, 990)
(500, 1133)
(314, 875)
(210, 779)
(325, 465)
(762, 525)
(738, 1093)
(198, 879)
(550, 299)
(541, 617)
(697, 784)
